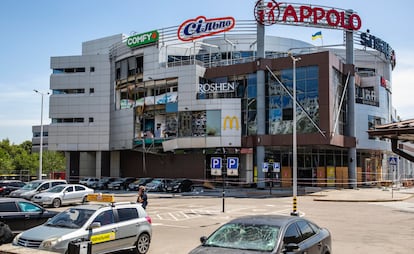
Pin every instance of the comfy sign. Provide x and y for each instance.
(271, 12)
(201, 27)
(142, 39)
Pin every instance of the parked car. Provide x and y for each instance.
(7, 186)
(103, 183)
(157, 184)
(267, 234)
(121, 183)
(110, 227)
(20, 214)
(34, 187)
(62, 195)
(140, 182)
(89, 181)
(180, 185)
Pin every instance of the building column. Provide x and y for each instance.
(115, 164)
(261, 105)
(352, 155)
(98, 164)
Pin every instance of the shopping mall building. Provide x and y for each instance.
(214, 97)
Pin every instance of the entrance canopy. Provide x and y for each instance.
(399, 131)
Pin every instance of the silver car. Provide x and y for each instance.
(108, 227)
(62, 195)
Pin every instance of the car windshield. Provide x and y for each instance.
(31, 186)
(56, 189)
(70, 218)
(155, 182)
(245, 237)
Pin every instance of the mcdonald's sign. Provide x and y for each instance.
(232, 120)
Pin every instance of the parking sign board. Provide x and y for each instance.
(276, 167)
(216, 165)
(265, 167)
(232, 166)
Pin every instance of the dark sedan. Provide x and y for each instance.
(21, 214)
(267, 234)
(180, 185)
(7, 186)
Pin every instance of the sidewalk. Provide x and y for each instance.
(374, 194)
(364, 195)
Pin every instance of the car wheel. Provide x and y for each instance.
(143, 243)
(85, 199)
(56, 203)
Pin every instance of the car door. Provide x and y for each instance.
(310, 240)
(9, 214)
(68, 195)
(103, 238)
(127, 226)
(33, 214)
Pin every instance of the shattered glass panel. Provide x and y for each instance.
(245, 237)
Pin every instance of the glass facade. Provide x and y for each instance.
(280, 102)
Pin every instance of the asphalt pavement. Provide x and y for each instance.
(373, 194)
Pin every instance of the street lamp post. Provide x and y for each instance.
(294, 142)
(41, 136)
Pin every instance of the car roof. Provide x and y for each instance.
(97, 206)
(275, 220)
(13, 200)
(10, 181)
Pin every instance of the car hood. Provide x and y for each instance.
(217, 250)
(21, 191)
(44, 232)
(48, 194)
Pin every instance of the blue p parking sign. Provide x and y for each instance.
(232, 163)
(215, 163)
(232, 166)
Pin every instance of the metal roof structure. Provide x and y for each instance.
(397, 132)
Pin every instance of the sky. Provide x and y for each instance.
(34, 31)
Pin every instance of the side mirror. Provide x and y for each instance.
(291, 247)
(203, 239)
(94, 225)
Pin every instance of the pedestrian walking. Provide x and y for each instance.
(142, 197)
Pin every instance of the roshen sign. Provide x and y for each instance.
(201, 26)
(271, 12)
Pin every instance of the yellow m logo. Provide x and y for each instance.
(231, 120)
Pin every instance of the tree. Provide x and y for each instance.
(53, 162)
(17, 159)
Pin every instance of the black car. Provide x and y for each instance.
(7, 186)
(180, 185)
(103, 183)
(267, 234)
(140, 182)
(20, 214)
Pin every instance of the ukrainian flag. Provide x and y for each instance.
(317, 35)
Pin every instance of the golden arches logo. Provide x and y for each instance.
(231, 120)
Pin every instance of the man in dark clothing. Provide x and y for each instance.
(142, 197)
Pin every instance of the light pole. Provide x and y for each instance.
(41, 135)
(295, 155)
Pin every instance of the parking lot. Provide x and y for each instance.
(357, 227)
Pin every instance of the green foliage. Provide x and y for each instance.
(15, 159)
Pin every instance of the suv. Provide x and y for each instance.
(34, 187)
(89, 181)
(109, 227)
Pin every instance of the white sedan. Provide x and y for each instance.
(63, 194)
